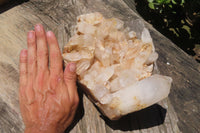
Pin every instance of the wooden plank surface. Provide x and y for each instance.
(178, 113)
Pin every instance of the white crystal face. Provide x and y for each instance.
(115, 66)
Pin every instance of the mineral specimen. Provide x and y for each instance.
(115, 66)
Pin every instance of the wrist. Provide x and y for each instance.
(40, 130)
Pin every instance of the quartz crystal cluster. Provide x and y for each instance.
(114, 66)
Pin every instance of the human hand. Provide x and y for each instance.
(47, 95)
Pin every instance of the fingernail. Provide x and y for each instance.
(38, 27)
(49, 33)
(72, 67)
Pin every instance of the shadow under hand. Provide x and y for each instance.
(79, 113)
(146, 118)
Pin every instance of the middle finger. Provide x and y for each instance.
(42, 49)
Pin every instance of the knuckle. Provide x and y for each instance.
(55, 54)
(23, 59)
(54, 68)
(56, 76)
(42, 54)
(31, 42)
(41, 68)
(70, 77)
(31, 60)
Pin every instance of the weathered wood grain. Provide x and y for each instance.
(178, 113)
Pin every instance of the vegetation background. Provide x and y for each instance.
(179, 20)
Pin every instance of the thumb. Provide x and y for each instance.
(70, 78)
(70, 74)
